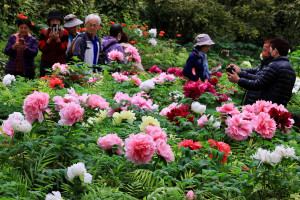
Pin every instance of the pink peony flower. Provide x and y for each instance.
(115, 55)
(154, 69)
(133, 54)
(140, 148)
(137, 80)
(247, 115)
(34, 105)
(238, 128)
(247, 108)
(165, 111)
(228, 108)
(156, 133)
(70, 114)
(164, 150)
(202, 121)
(119, 77)
(97, 101)
(264, 125)
(261, 106)
(7, 128)
(141, 102)
(190, 195)
(107, 142)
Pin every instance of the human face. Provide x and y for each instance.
(92, 27)
(54, 21)
(72, 30)
(23, 30)
(205, 48)
(274, 52)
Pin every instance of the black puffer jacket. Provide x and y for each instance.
(273, 82)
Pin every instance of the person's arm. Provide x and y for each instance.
(62, 43)
(32, 49)
(265, 79)
(79, 49)
(9, 46)
(187, 70)
(43, 45)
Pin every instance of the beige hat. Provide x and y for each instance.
(71, 21)
(203, 39)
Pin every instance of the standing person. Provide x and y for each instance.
(111, 42)
(71, 25)
(21, 49)
(87, 45)
(53, 42)
(275, 81)
(196, 68)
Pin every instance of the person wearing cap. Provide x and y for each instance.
(196, 68)
(71, 25)
(87, 45)
(53, 44)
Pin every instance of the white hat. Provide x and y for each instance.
(203, 39)
(71, 21)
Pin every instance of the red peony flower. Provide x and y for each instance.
(161, 34)
(230, 90)
(22, 16)
(146, 26)
(56, 82)
(182, 112)
(178, 35)
(221, 97)
(143, 28)
(112, 22)
(132, 42)
(282, 118)
(145, 34)
(191, 144)
(100, 27)
(213, 81)
(123, 24)
(134, 26)
(221, 146)
(32, 24)
(154, 69)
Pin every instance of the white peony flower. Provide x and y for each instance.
(77, 169)
(148, 85)
(8, 79)
(139, 32)
(217, 125)
(285, 152)
(153, 32)
(266, 156)
(87, 178)
(55, 195)
(198, 108)
(21, 125)
(155, 107)
(16, 115)
(152, 41)
(246, 63)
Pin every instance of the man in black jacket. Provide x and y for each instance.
(273, 82)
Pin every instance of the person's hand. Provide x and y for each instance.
(54, 37)
(233, 77)
(23, 46)
(18, 45)
(236, 68)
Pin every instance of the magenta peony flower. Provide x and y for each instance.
(238, 128)
(190, 195)
(70, 114)
(156, 133)
(139, 148)
(115, 55)
(107, 142)
(264, 125)
(154, 69)
(164, 150)
(202, 121)
(137, 80)
(34, 105)
(97, 101)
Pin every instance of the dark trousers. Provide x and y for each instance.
(45, 65)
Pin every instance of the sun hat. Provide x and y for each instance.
(54, 14)
(203, 39)
(71, 21)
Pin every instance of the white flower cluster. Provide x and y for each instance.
(55, 195)
(153, 32)
(78, 169)
(198, 108)
(147, 85)
(296, 86)
(176, 94)
(8, 79)
(274, 157)
(152, 41)
(215, 124)
(18, 122)
(139, 32)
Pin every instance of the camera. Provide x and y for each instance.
(230, 69)
(21, 40)
(54, 29)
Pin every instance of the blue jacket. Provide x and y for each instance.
(194, 60)
(273, 82)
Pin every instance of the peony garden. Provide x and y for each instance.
(127, 133)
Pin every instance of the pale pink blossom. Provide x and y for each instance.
(140, 148)
(248, 115)
(202, 121)
(120, 77)
(97, 101)
(228, 108)
(164, 150)
(190, 195)
(165, 111)
(137, 80)
(238, 128)
(264, 125)
(141, 102)
(156, 133)
(170, 77)
(34, 105)
(107, 142)
(7, 128)
(70, 114)
(133, 54)
(115, 55)
(247, 108)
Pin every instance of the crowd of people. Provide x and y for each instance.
(272, 80)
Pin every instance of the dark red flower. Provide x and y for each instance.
(220, 146)
(221, 97)
(230, 90)
(213, 81)
(191, 144)
(154, 69)
(182, 112)
(245, 168)
(282, 118)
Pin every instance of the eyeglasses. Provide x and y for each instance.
(92, 25)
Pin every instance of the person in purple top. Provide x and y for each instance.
(21, 48)
(115, 34)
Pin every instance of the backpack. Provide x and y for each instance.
(102, 58)
(70, 50)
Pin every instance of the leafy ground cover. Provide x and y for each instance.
(145, 134)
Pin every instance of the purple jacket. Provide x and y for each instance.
(105, 41)
(28, 55)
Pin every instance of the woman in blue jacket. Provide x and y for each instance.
(196, 67)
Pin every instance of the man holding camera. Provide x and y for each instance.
(53, 42)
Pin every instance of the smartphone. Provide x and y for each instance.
(214, 70)
(54, 29)
(230, 69)
(21, 40)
